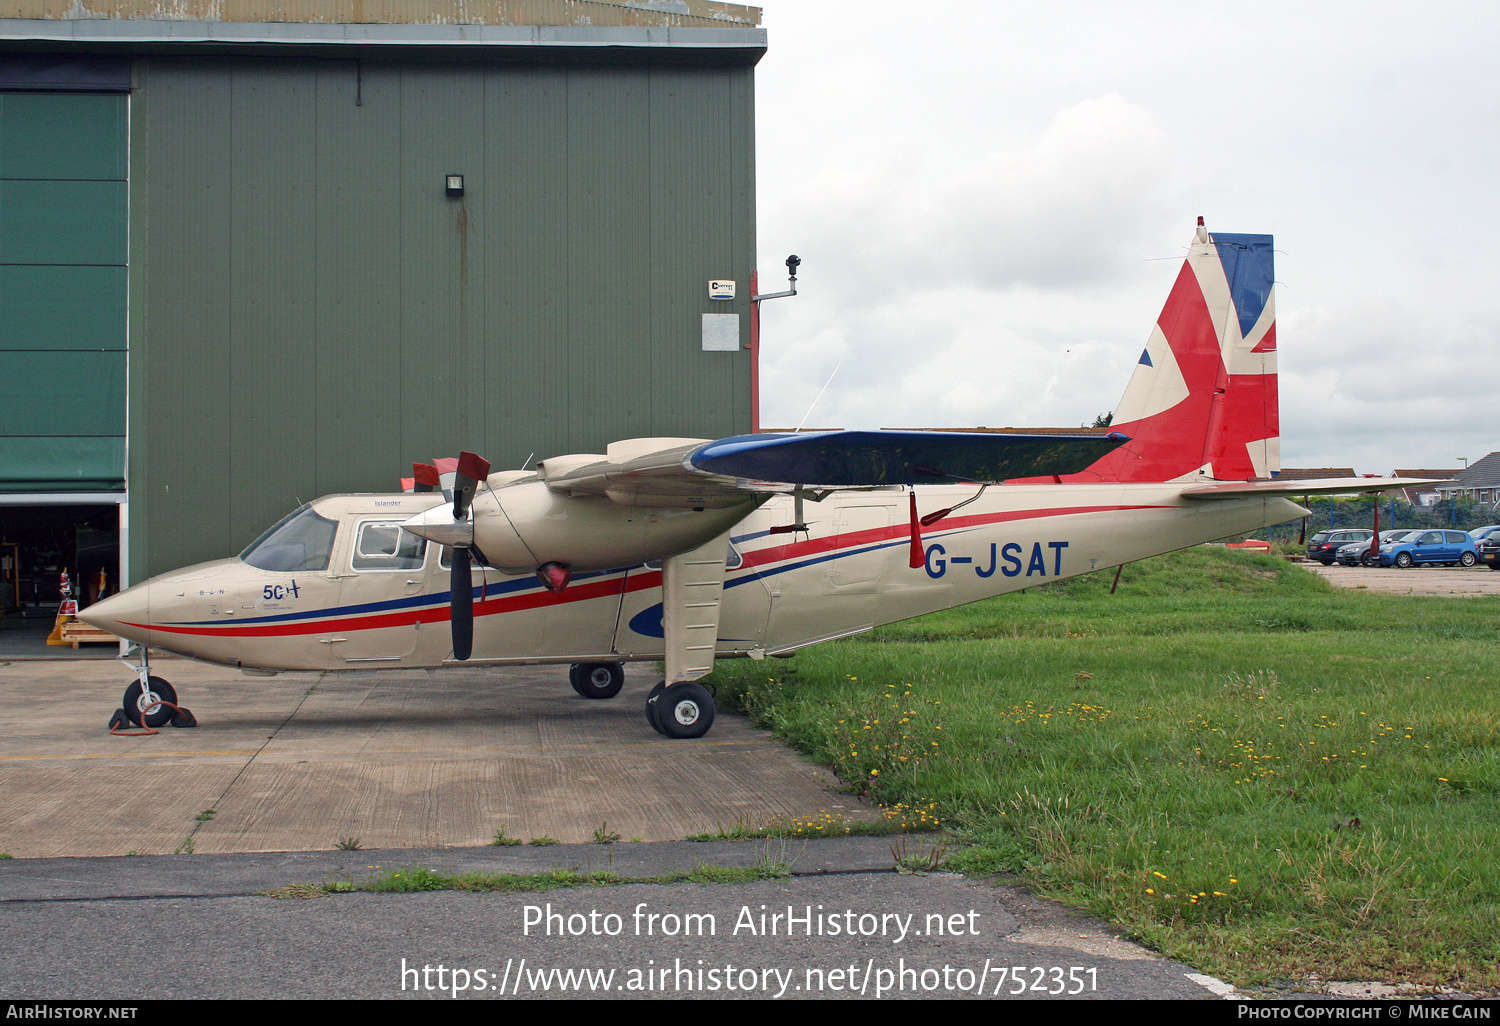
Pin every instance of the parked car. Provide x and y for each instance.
(1448, 548)
(1479, 534)
(1358, 553)
(1489, 551)
(1324, 546)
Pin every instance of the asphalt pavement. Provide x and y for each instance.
(844, 924)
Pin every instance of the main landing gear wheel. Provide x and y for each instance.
(651, 700)
(597, 680)
(684, 711)
(134, 702)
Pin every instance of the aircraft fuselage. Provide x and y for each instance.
(846, 573)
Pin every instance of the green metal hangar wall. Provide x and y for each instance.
(235, 272)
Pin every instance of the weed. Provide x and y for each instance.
(8, 855)
(502, 841)
(544, 840)
(603, 835)
(186, 847)
(297, 891)
(920, 859)
(821, 824)
(205, 815)
(773, 864)
(347, 844)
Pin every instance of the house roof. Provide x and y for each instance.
(1414, 494)
(1483, 473)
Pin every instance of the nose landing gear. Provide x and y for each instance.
(148, 703)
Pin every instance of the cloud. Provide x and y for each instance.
(976, 295)
(1061, 211)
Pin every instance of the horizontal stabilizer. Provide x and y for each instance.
(1292, 489)
(856, 459)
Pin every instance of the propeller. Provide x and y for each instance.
(471, 470)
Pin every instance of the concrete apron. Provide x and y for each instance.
(395, 759)
(1456, 582)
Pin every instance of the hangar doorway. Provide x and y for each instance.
(40, 538)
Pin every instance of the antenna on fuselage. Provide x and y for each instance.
(816, 398)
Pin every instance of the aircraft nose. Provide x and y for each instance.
(126, 614)
(437, 525)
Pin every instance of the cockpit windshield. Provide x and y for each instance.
(301, 541)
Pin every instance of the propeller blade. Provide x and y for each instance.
(461, 605)
(424, 477)
(472, 469)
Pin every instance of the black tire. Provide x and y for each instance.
(651, 700)
(1467, 559)
(685, 711)
(1326, 562)
(1403, 560)
(597, 680)
(160, 691)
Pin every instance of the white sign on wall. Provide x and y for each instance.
(721, 333)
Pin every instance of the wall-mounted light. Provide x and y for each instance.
(455, 186)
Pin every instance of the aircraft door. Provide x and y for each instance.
(383, 572)
(841, 594)
(746, 606)
(862, 549)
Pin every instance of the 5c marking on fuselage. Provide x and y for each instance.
(1006, 558)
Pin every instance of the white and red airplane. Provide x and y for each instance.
(688, 550)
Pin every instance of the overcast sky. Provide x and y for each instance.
(992, 199)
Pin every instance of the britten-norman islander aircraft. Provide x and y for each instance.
(686, 550)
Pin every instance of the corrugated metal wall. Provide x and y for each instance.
(62, 291)
(310, 312)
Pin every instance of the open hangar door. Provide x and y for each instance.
(39, 541)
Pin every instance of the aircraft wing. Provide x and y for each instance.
(697, 473)
(1291, 489)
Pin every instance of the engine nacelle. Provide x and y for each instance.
(520, 527)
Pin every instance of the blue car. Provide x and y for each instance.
(1446, 548)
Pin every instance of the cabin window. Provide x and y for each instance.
(384, 546)
(300, 542)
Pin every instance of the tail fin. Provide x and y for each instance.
(1202, 402)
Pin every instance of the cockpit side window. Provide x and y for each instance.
(384, 546)
(302, 541)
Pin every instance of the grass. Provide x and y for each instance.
(898, 817)
(502, 840)
(410, 879)
(1229, 759)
